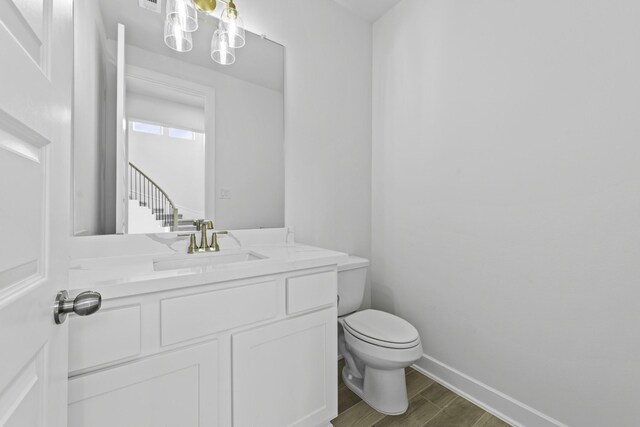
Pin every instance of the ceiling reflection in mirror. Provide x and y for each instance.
(163, 137)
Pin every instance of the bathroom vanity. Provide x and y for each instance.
(242, 337)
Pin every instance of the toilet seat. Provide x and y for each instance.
(381, 329)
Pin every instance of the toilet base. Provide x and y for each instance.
(383, 390)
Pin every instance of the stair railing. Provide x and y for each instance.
(147, 192)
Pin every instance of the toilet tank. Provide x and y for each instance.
(352, 277)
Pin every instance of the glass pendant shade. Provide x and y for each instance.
(231, 24)
(184, 12)
(175, 37)
(221, 52)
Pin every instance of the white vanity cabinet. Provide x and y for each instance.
(259, 351)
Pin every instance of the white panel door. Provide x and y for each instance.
(36, 50)
(285, 374)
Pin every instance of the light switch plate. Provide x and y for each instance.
(225, 193)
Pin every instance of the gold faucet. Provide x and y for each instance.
(214, 240)
(202, 226)
(193, 247)
(204, 245)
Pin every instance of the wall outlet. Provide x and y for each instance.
(225, 193)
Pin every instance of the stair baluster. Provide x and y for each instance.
(149, 194)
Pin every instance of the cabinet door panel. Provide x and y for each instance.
(179, 388)
(284, 374)
(107, 336)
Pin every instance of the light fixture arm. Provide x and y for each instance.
(209, 6)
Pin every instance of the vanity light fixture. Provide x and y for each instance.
(182, 20)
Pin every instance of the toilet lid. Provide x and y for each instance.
(380, 327)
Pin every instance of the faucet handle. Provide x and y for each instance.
(193, 246)
(214, 240)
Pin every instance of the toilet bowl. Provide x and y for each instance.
(377, 346)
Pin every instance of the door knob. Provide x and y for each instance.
(85, 304)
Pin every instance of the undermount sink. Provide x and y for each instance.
(205, 260)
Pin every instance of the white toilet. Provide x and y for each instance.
(376, 346)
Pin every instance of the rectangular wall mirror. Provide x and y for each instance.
(165, 137)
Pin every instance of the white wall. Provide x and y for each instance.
(506, 207)
(90, 81)
(328, 118)
(141, 220)
(175, 165)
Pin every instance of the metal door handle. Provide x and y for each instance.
(85, 304)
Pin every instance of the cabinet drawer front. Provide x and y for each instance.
(178, 388)
(194, 316)
(311, 291)
(107, 336)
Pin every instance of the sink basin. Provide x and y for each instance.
(205, 260)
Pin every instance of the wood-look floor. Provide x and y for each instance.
(430, 405)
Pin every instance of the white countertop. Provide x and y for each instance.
(120, 276)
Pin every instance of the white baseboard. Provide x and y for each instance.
(491, 400)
